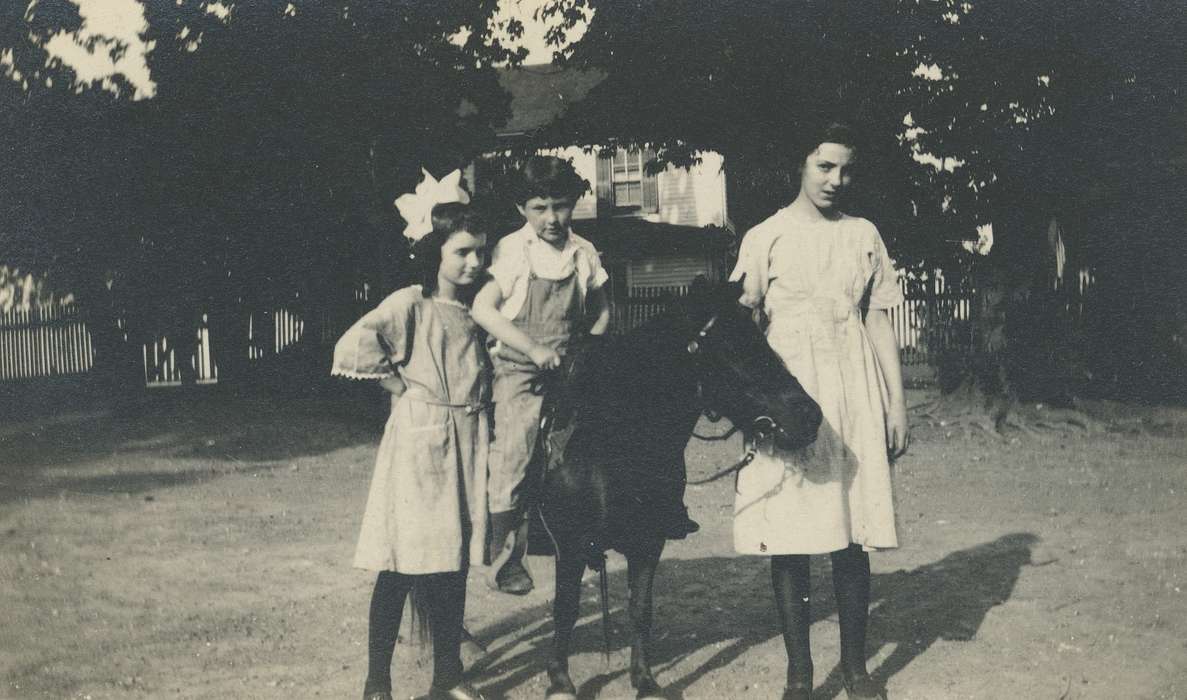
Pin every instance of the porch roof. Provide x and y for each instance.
(629, 238)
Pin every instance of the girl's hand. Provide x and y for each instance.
(544, 357)
(898, 433)
(394, 385)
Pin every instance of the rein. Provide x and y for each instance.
(738, 466)
(717, 438)
(761, 425)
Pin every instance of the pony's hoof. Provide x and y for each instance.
(864, 688)
(648, 689)
(560, 691)
(798, 691)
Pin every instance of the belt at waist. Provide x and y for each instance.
(469, 408)
(816, 308)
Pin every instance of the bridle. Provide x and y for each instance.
(760, 428)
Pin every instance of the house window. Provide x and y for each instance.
(627, 176)
(624, 186)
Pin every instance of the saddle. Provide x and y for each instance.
(560, 414)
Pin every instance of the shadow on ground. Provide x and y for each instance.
(180, 437)
(726, 604)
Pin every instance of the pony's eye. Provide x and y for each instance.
(693, 347)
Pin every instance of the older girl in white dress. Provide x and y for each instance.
(811, 271)
(425, 518)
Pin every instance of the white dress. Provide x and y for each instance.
(810, 279)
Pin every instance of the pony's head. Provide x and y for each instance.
(740, 376)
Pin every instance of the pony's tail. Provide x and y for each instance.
(420, 619)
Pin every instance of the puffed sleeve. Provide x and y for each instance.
(379, 341)
(885, 291)
(597, 275)
(508, 262)
(753, 267)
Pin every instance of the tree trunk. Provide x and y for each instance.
(118, 366)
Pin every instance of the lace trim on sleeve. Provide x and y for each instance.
(352, 374)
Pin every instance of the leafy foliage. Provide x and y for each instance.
(1007, 112)
(264, 167)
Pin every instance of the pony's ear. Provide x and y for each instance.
(734, 289)
(701, 289)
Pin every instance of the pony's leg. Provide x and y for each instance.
(641, 565)
(565, 608)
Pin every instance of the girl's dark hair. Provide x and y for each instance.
(549, 176)
(826, 132)
(448, 219)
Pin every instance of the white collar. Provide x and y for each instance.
(530, 238)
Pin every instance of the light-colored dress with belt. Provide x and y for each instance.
(810, 278)
(426, 510)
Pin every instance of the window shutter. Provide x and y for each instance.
(605, 185)
(650, 185)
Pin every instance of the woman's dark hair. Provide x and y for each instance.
(827, 132)
(448, 219)
(549, 176)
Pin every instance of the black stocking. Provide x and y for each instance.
(792, 583)
(851, 583)
(387, 608)
(446, 596)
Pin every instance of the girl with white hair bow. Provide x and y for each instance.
(425, 518)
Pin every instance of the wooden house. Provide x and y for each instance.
(656, 231)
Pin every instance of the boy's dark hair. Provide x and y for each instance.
(448, 219)
(549, 176)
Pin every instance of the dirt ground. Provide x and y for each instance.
(202, 550)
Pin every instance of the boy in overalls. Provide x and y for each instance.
(546, 292)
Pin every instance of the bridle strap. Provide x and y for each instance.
(747, 458)
(752, 441)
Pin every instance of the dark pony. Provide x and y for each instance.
(617, 439)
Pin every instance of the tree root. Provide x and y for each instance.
(972, 412)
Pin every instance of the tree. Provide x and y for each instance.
(261, 172)
(1004, 113)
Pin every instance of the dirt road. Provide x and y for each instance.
(205, 554)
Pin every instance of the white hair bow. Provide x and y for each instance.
(417, 207)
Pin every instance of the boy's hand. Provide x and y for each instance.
(544, 357)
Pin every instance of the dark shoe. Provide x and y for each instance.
(502, 525)
(514, 579)
(798, 691)
(508, 546)
(864, 687)
(461, 691)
